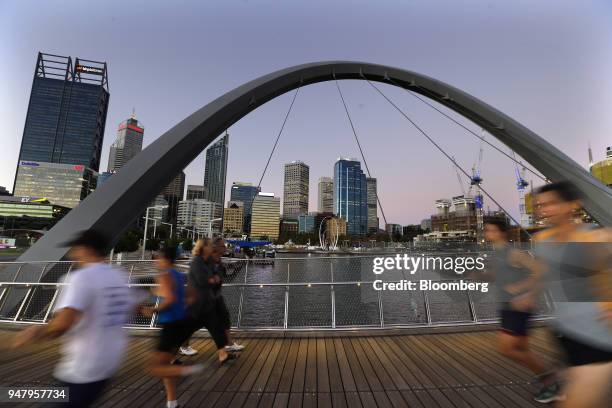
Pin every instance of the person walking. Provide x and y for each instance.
(171, 313)
(203, 311)
(579, 259)
(518, 277)
(91, 310)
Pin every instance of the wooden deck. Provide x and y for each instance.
(430, 370)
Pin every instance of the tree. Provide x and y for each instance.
(187, 244)
(128, 241)
(152, 244)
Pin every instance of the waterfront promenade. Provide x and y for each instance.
(335, 369)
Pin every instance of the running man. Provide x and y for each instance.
(518, 278)
(171, 312)
(90, 313)
(579, 259)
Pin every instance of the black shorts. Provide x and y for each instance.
(578, 353)
(81, 395)
(224, 314)
(515, 322)
(173, 334)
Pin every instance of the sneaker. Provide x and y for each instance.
(549, 393)
(234, 347)
(188, 351)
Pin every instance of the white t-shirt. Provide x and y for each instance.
(94, 348)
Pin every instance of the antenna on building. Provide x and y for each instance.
(133, 115)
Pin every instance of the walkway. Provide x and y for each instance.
(442, 370)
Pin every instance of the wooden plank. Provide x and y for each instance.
(299, 375)
(323, 368)
(278, 368)
(310, 381)
(286, 379)
(358, 375)
(348, 381)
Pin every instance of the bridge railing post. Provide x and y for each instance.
(333, 295)
(241, 301)
(286, 316)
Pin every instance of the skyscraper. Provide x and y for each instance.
(195, 192)
(246, 193)
(265, 218)
(199, 215)
(127, 144)
(350, 195)
(326, 195)
(173, 193)
(295, 192)
(372, 205)
(215, 171)
(66, 116)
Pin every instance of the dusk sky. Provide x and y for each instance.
(547, 64)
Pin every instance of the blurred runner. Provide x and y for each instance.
(175, 327)
(221, 307)
(518, 278)
(579, 261)
(204, 312)
(90, 313)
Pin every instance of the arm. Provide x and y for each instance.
(62, 321)
(532, 285)
(166, 291)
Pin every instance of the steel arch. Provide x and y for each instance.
(120, 200)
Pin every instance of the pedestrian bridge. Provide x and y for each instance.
(336, 369)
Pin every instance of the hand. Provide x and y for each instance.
(27, 336)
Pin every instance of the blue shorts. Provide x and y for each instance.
(514, 322)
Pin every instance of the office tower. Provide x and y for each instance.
(306, 223)
(62, 184)
(194, 192)
(265, 216)
(173, 193)
(29, 213)
(200, 215)
(216, 170)
(245, 192)
(350, 195)
(4, 191)
(103, 178)
(295, 191)
(66, 114)
(127, 144)
(159, 209)
(372, 205)
(233, 218)
(326, 194)
(394, 229)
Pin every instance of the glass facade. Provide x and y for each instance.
(351, 195)
(127, 144)
(372, 206)
(246, 193)
(66, 115)
(306, 223)
(61, 184)
(215, 171)
(265, 218)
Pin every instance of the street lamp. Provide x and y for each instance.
(210, 225)
(144, 239)
(168, 223)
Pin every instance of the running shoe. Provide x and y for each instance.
(549, 393)
(188, 351)
(234, 347)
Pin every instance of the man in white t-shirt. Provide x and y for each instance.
(92, 308)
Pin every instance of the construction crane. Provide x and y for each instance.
(458, 176)
(521, 185)
(475, 192)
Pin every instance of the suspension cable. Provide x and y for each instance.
(444, 152)
(467, 129)
(348, 115)
(280, 132)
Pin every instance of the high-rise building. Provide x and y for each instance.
(195, 192)
(295, 192)
(199, 215)
(265, 216)
(62, 184)
(394, 229)
(233, 218)
(350, 195)
(306, 223)
(173, 193)
(215, 171)
(127, 144)
(372, 205)
(602, 170)
(66, 117)
(245, 192)
(326, 195)
(4, 191)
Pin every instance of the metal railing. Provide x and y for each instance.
(277, 294)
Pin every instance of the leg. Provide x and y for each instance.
(516, 348)
(588, 386)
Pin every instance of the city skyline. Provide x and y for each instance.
(568, 116)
